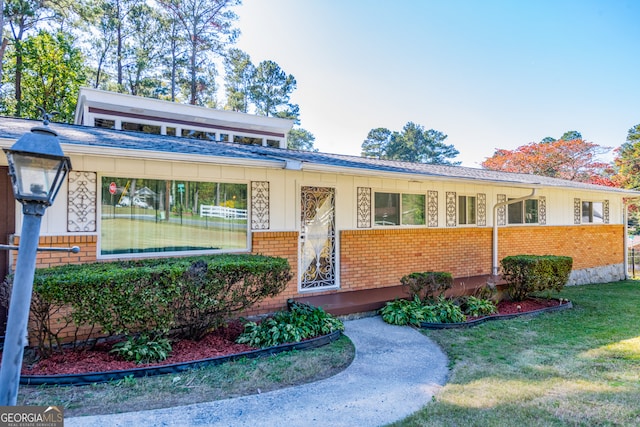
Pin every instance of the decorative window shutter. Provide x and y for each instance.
(542, 210)
(260, 217)
(502, 210)
(482, 210)
(82, 191)
(364, 207)
(577, 211)
(451, 209)
(432, 208)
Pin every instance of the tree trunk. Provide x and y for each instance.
(3, 47)
(18, 83)
(119, 49)
(193, 70)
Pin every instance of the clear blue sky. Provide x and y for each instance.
(489, 74)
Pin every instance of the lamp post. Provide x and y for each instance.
(37, 167)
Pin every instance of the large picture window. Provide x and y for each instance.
(525, 212)
(399, 209)
(145, 216)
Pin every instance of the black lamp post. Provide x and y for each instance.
(37, 167)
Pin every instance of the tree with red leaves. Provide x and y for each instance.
(572, 159)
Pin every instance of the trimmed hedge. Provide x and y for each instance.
(185, 296)
(526, 274)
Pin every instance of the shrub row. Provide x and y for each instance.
(185, 296)
(526, 274)
(439, 310)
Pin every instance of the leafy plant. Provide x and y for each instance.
(475, 307)
(447, 311)
(300, 323)
(143, 349)
(407, 312)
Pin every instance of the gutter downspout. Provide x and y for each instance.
(495, 225)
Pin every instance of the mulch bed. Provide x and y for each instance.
(222, 343)
(216, 344)
(508, 310)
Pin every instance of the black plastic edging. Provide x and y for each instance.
(101, 377)
(475, 322)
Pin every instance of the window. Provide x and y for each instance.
(139, 127)
(104, 123)
(388, 206)
(592, 212)
(466, 210)
(413, 209)
(146, 216)
(195, 134)
(247, 140)
(525, 212)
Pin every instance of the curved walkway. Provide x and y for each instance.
(395, 372)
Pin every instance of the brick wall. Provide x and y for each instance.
(589, 246)
(281, 244)
(379, 258)
(87, 254)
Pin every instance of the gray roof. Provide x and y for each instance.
(83, 136)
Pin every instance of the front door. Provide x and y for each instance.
(317, 239)
(7, 228)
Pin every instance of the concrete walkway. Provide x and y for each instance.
(395, 372)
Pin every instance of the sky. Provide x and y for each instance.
(487, 73)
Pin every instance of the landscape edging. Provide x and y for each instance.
(475, 322)
(174, 368)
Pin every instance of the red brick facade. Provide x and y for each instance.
(376, 258)
(88, 250)
(379, 258)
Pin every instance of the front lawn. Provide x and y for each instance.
(575, 367)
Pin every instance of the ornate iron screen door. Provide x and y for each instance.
(317, 238)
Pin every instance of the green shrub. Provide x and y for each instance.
(143, 349)
(188, 296)
(407, 312)
(447, 311)
(298, 324)
(475, 307)
(426, 285)
(526, 274)
(414, 312)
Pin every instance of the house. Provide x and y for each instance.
(344, 223)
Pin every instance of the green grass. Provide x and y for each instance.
(232, 379)
(578, 367)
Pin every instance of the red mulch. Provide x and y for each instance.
(528, 305)
(215, 344)
(532, 304)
